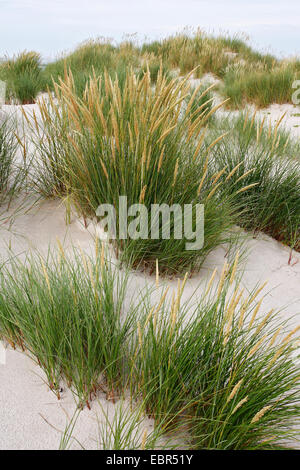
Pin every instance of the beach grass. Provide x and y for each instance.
(67, 313)
(110, 136)
(118, 120)
(91, 58)
(249, 75)
(259, 86)
(190, 48)
(10, 173)
(261, 152)
(23, 77)
(214, 367)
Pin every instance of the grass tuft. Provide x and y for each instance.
(259, 154)
(213, 368)
(23, 77)
(259, 86)
(10, 174)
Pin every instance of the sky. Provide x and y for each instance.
(54, 26)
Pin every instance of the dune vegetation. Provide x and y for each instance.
(110, 136)
(11, 175)
(249, 76)
(271, 204)
(217, 370)
(260, 86)
(237, 167)
(23, 77)
(134, 121)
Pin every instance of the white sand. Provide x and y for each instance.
(25, 399)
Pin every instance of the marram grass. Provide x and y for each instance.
(189, 49)
(258, 85)
(219, 369)
(138, 141)
(249, 76)
(122, 426)
(67, 313)
(11, 174)
(92, 57)
(216, 371)
(258, 156)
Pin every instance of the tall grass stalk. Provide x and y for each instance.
(129, 429)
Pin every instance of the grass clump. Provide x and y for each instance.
(154, 66)
(133, 142)
(49, 137)
(216, 371)
(259, 86)
(127, 430)
(23, 77)
(272, 202)
(190, 49)
(202, 99)
(27, 86)
(215, 368)
(122, 426)
(91, 58)
(258, 130)
(239, 44)
(67, 312)
(10, 175)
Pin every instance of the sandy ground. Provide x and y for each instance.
(30, 415)
(23, 392)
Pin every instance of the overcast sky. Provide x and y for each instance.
(53, 26)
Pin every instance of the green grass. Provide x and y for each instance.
(272, 203)
(126, 430)
(249, 75)
(260, 130)
(185, 51)
(10, 176)
(122, 125)
(203, 99)
(27, 86)
(114, 146)
(91, 58)
(23, 77)
(261, 87)
(189, 49)
(49, 136)
(122, 426)
(241, 46)
(67, 312)
(213, 368)
(153, 67)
